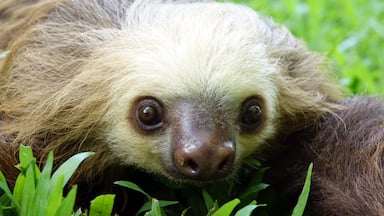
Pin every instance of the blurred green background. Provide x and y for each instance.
(349, 32)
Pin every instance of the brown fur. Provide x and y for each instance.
(15, 16)
(347, 152)
(23, 15)
(56, 84)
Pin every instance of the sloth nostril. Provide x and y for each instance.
(205, 162)
(223, 165)
(192, 165)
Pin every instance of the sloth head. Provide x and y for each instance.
(187, 91)
(197, 95)
(200, 91)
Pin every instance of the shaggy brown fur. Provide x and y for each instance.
(72, 67)
(14, 16)
(347, 151)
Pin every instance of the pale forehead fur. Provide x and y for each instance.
(184, 50)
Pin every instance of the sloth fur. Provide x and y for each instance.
(77, 70)
(347, 151)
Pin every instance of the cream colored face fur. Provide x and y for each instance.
(187, 52)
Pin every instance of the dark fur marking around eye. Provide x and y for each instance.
(251, 114)
(149, 114)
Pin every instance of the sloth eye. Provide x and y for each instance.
(251, 113)
(149, 114)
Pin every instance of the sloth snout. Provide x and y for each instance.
(205, 162)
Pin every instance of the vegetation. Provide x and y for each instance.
(41, 193)
(350, 33)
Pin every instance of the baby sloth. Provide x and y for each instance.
(181, 89)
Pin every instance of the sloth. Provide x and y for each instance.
(186, 90)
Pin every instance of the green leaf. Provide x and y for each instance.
(209, 203)
(25, 157)
(253, 162)
(26, 160)
(7, 191)
(253, 191)
(55, 198)
(40, 199)
(102, 205)
(28, 191)
(185, 211)
(4, 200)
(79, 213)
(227, 208)
(165, 203)
(133, 186)
(68, 167)
(213, 209)
(302, 201)
(145, 207)
(66, 207)
(156, 210)
(19, 188)
(246, 211)
(148, 205)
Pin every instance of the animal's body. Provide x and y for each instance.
(346, 149)
(185, 90)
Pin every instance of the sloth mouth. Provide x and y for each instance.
(173, 174)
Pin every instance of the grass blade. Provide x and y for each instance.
(55, 198)
(302, 201)
(7, 191)
(102, 205)
(66, 207)
(69, 166)
(246, 211)
(133, 186)
(19, 188)
(209, 203)
(227, 208)
(40, 200)
(28, 191)
(156, 210)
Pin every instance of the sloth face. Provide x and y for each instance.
(200, 138)
(201, 142)
(194, 95)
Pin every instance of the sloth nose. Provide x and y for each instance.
(205, 162)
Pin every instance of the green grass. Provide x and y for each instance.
(41, 193)
(350, 33)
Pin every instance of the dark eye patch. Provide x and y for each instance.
(149, 114)
(251, 114)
